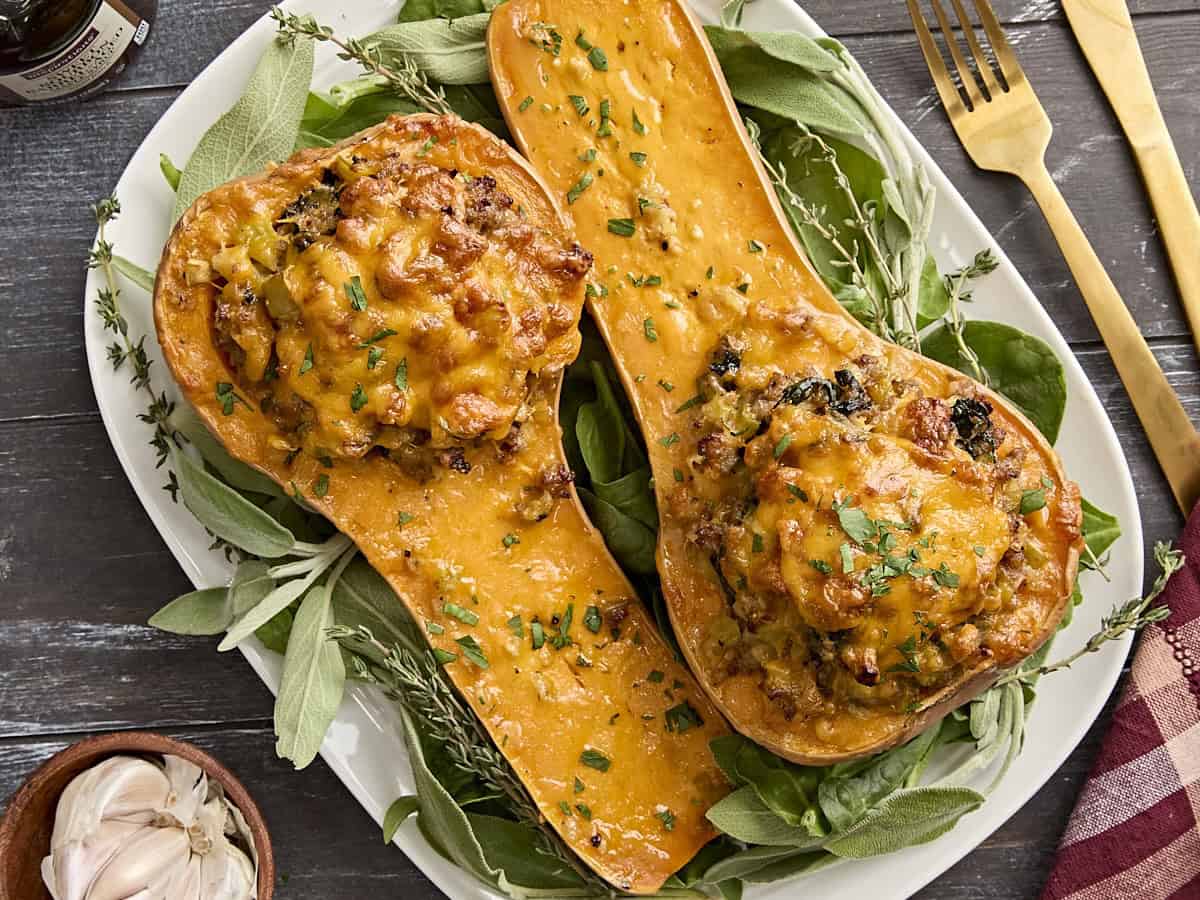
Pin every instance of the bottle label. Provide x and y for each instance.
(88, 58)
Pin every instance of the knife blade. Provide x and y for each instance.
(1105, 32)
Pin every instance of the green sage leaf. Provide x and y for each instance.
(228, 514)
(1100, 530)
(362, 597)
(314, 678)
(846, 798)
(519, 852)
(199, 612)
(233, 472)
(447, 51)
(401, 809)
(143, 278)
(260, 128)
(906, 818)
(742, 815)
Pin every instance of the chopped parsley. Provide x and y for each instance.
(538, 634)
(444, 656)
(516, 626)
(588, 155)
(944, 577)
(434, 628)
(228, 398)
(979, 551)
(605, 128)
(594, 759)
(358, 399)
(656, 677)
(649, 330)
(402, 374)
(847, 559)
(639, 159)
(472, 651)
(667, 818)
(321, 485)
(428, 145)
(781, 447)
(563, 639)
(689, 403)
(579, 785)
(678, 475)
(682, 717)
(908, 649)
(463, 615)
(638, 126)
(756, 543)
(821, 566)
(546, 37)
(377, 337)
(595, 291)
(308, 360)
(374, 355)
(598, 59)
(580, 104)
(709, 272)
(592, 619)
(670, 440)
(798, 492)
(622, 227)
(584, 810)
(404, 518)
(756, 247)
(856, 523)
(509, 539)
(524, 105)
(565, 807)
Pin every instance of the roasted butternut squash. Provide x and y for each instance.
(854, 539)
(381, 328)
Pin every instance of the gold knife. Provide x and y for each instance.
(1104, 30)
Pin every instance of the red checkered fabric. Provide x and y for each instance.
(1134, 832)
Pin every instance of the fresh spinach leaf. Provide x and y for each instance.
(419, 10)
(631, 542)
(362, 597)
(327, 121)
(260, 128)
(1100, 531)
(632, 495)
(274, 633)
(1020, 366)
(314, 677)
(518, 852)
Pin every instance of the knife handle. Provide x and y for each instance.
(1178, 219)
(1172, 436)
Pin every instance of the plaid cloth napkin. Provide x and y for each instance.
(1134, 831)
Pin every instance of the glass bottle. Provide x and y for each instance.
(52, 51)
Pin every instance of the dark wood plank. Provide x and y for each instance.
(326, 847)
(43, 242)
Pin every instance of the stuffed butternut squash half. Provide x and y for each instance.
(381, 327)
(854, 539)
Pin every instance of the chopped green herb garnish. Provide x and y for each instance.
(402, 374)
(821, 566)
(472, 651)
(358, 399)
(524, 105)
(509, 539)
(598, 59)
(374, 355)
(547, 37)
(577, 189)
(756, 247)
(637, 124)
(595, 291)
(847, 559)
(622, 227)
(781, 447)
(565, 807)
(678, 475)
(756, 543)
(582, 42)
(797, 492)
(444, 656)
(656, 676)
(428, 145)
(463, 615)
(856, 523)
(584, 811)
(538, 633)
(709, 272)
(979, 551)
(670, 440)
(308, 360)
(321, 485)
(594, 759)
(581, 107)
(354, 291)
(944, 577)
(639, 159)
(667, 818)
(592, 619)
(563, 638)
(434, 628)
(682, 717)
(666, 385)
(516, 626)
(744, 287)
(579, 785)
(908, 649)
(649, 330)
(404, 518)
(228, 398)
(690, 402)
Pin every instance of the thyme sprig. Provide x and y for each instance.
(1128, 618)
(407, 80)
(413, 679)
(124, 349)
(984, 263)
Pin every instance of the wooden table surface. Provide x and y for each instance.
(81, 567)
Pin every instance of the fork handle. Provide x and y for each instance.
(1174, 439)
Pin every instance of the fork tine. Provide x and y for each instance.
(981, 61)
(951, 99)
(1009, 67)
(965, 75)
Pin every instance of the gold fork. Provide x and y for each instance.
(1004, 128)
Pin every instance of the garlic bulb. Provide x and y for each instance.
(132, 829)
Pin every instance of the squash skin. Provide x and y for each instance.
(543, 707)
(659, 63)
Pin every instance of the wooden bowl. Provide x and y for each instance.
(27, 825)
